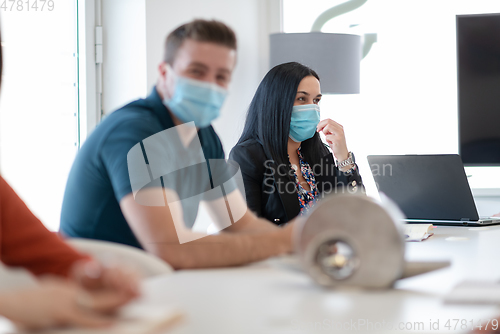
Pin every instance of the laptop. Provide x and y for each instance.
(428, 188)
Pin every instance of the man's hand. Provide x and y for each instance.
(159, 229)
(287, 232)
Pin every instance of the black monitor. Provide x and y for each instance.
(478, 64)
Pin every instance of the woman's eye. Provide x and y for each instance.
(300, 99)
(196, 72)
(317, 101)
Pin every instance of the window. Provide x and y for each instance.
(408, 98)
(39, 102)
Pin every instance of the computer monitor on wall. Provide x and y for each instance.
(478, 65)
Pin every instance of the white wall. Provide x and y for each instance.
(135, 32)
(124, 43)
(252, 20)
(406, 106)
(408, 99)
(38, 107)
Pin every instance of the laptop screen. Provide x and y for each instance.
(432, 187)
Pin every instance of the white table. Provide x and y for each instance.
(274, 297)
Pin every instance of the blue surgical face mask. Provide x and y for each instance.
(305, 119)
(196, 101)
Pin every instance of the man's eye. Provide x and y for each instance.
(222, 79)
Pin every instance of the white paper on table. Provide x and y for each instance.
(418, 232)
(133, 319)
(475, 292)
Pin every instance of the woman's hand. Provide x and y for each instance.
(335, 137)
(111, 286)
(53, 303)
(93, 293)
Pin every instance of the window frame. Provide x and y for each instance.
(88, 101)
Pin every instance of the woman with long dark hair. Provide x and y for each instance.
(285, 165)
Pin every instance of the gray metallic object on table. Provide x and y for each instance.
(355, 241)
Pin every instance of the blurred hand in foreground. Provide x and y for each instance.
(88, 299)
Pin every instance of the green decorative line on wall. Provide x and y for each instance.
(343, 8)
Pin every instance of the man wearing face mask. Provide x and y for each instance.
(102, 198)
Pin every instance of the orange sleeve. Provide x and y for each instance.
(25, 242)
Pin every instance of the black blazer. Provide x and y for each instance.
(271, 192)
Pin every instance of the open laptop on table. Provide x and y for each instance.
(428, 188)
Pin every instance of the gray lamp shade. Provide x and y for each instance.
(335, 57)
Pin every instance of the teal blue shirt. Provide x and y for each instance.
(99, 177)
